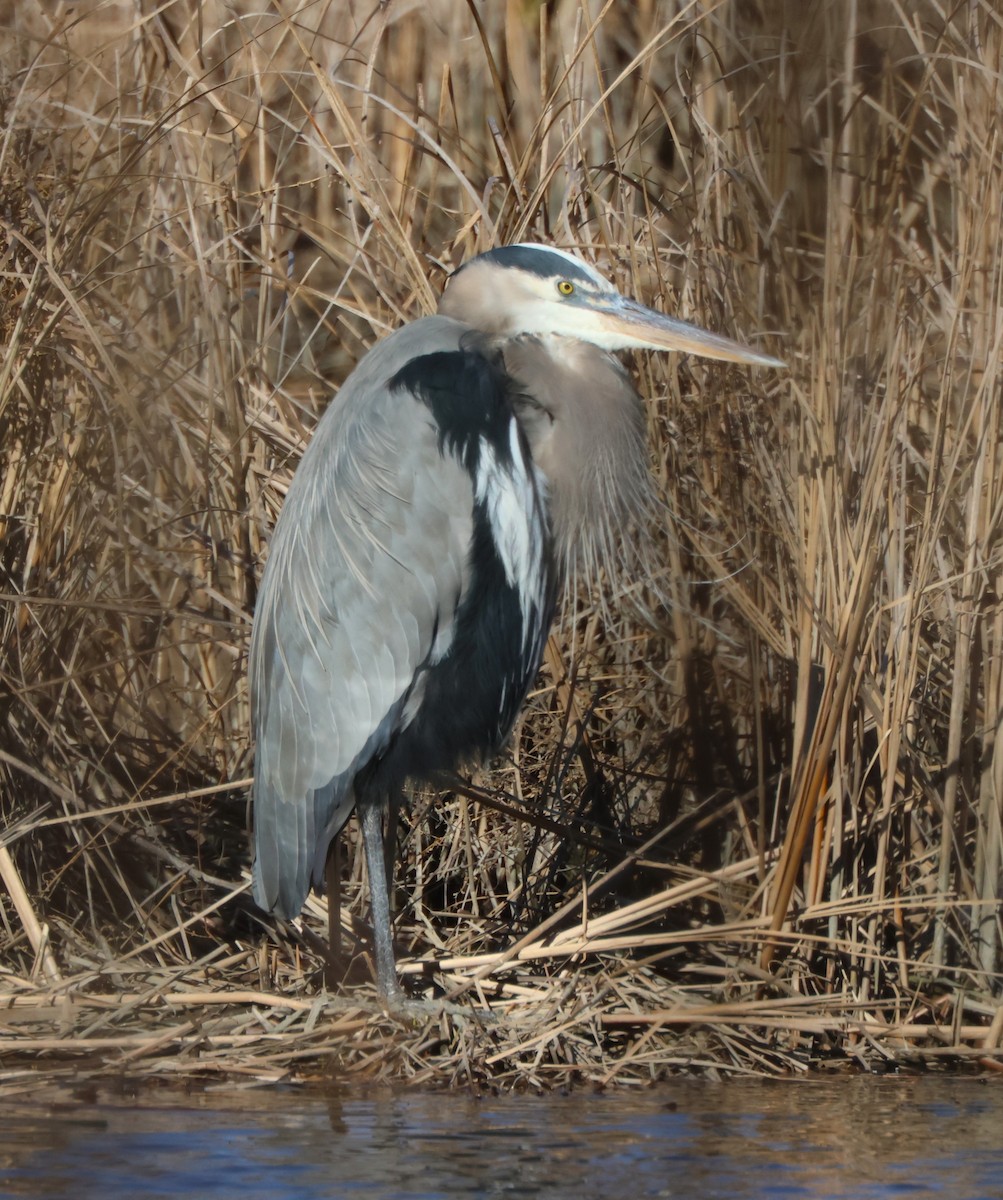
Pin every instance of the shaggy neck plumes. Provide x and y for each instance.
(586, 428)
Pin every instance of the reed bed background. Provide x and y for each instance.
(752, 818)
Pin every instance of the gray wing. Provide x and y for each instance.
(367, 564)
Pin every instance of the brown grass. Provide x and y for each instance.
(760, 832)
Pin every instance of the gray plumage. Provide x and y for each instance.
(332, 663)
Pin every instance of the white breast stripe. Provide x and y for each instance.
(513, 508)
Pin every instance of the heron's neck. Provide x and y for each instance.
(586, 430)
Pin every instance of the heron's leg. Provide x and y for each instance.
(335, 968)
(394, 805)
(379, 897)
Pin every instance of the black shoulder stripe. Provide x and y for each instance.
(467, 394)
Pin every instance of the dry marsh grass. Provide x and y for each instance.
(757, 830)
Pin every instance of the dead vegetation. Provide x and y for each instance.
(759, 833)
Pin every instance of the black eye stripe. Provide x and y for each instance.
(538, 260)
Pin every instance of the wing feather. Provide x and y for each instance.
(367, 565)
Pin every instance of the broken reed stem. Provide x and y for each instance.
(37, 934)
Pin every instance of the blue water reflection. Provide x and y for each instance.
(862, 1138)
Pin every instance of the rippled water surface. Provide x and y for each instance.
(867, 1138)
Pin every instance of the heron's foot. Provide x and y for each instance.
(415, 1010)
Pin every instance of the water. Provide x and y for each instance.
(869, 1138)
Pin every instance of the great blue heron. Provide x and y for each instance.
(470, 460)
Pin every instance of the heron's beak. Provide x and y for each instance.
(644, 328)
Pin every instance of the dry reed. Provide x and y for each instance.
(752, 819)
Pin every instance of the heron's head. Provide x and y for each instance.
(533, 289)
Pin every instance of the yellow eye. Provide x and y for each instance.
(566, 287)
